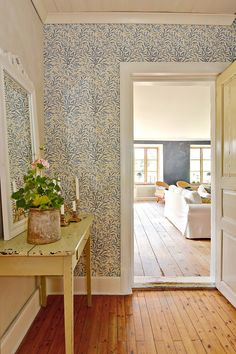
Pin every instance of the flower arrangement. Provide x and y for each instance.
(39, 191)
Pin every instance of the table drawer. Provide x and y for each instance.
(81, 245)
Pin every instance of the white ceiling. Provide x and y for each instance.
(171, 112)
(76, 10)
(193, 6)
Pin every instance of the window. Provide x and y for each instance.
(145, 165)
(200, 164)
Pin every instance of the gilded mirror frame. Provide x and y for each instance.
(11, 67)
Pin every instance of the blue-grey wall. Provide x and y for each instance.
(176, 161)
(176, 158)
(82, 108)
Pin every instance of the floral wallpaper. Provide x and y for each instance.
(82, 108)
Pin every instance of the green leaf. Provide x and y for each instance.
(20, 203)
(43, 179)
(18, 194)
(40, 166)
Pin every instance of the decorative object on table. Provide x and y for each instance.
(77, 188)
(64, 221)
(74, 216)
(75, 204)
(41, 196)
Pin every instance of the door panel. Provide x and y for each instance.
(229, 123)
(226, 130)
(229, 261)
(229, 203)
(226, 183)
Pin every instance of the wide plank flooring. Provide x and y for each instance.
(146, 322)
(160, 249)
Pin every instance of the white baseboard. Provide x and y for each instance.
(100, 285)
(16, 332)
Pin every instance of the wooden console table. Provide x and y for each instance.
(19, 258)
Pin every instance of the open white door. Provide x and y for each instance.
(226, 183)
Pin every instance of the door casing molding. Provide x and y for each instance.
(178, 72)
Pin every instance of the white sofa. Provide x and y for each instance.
(185, 210)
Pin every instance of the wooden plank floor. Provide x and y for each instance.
(147, 322)
(161, 250)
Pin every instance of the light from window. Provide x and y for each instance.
(200, 164)
(145, 165)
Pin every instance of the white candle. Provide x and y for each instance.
(59, 185)
(62, 209)
(14, 186)
(77, 188)
(74, 205)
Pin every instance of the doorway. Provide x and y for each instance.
(172, 142)
(131, 72)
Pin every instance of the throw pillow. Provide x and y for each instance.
(193, 198)
(203, 191)
(206, 200)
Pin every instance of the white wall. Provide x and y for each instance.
(168, 111)
(21, 33)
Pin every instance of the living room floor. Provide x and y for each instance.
(161, 250)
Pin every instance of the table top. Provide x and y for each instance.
(71, 236)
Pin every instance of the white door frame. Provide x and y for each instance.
(130, 72)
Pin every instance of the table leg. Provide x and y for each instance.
(88, 270)
(68, 304)
(43, 291)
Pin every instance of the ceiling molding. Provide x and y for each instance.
(133, 17)
(40, 9)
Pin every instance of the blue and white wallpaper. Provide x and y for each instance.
(82, 108)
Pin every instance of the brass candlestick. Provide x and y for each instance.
(75, 217)
(64, 222)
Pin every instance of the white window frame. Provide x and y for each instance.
(159, 148)
(192, 146)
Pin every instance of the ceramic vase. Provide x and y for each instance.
(43, 226)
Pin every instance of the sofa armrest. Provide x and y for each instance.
(199, 209)
(199, 221)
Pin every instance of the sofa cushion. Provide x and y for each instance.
(192, 197)
(203, 191)
(206, 200)
(175, 189)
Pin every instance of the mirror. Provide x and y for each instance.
(18, 138)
